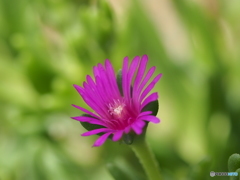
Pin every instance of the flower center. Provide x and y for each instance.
(120, 115)
(116, 109)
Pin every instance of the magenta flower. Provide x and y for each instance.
(118, 110)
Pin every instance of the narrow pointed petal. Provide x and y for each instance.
(140, 124)
(85, 110)
(152, 97)
(105, 80)
(124, 76)
(96, 131)
(89, 120)
(150, 118)
(90, 81)
(96, 72)
(91, 89)
(112, 78)
(84, 118)
(94, 103)
(150, 87)
(144, 113)
(79, 89)
(141, 71)
(98, 122)
(101, 139)
(145, 80)
(127, 129)
(130, 74)
(137, 129)
(101, 90)
(117, 135)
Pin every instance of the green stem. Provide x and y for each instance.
(146, 157)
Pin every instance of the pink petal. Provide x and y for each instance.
(101, 90)
(140, 123)
(91, 89)
(101, 139)
(105, 81)
(96, 131)
(90, 81)
(89, 101)
(124, 76)
(147, 77)
(150, 98)
(144, 113)
(127, 129)
(89, 120)
(95, 103)
(141, 71)
(79, 89)
(96, 72)
(86, 111)
(102, 82)
(117, 135)
(130, 74)
(150, 118)
(112, 78)
(150, 86)
(137, 129)
(84, 118)
(103, 85)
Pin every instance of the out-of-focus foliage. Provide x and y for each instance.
(234, 165)
(46, 46)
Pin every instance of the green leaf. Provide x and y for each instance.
(237, 177)
(119, 81)
(152, 106)
(234, 162)
(234, 165)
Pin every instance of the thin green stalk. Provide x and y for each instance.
(146, 157)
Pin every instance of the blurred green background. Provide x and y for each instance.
(48, 45)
